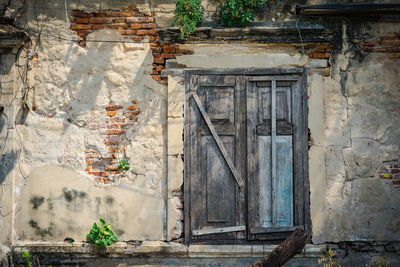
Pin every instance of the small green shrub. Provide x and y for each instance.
(101, 236)
(123, 165)
(239, 12)
(188, 15)
(27, 258)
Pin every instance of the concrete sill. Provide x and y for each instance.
(157, 249)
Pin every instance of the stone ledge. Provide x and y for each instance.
(157, 249)
(263, 33)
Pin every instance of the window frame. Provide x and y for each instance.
(301, 188)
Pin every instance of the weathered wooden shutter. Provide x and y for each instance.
(216, 133)
(273, 118)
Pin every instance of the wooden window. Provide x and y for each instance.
(246, 167)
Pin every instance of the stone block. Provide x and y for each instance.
(175, 136)
(176, 97)
(175, 215)
(175, 174)
(317, 63)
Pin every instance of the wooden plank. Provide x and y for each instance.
(262, 230)
(297, 154)
(306, 183)
(274, 78)
(186, 157)
(238, 179)
(241, 149)
(245, 71)
(219, 230)
(253, 190)
(217, 80)
(273, 148)
(283, 204)
(219, 186)
(264, 200)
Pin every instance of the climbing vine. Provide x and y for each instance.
(189, 13)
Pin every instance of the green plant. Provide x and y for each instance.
(382, 262)
(188, 15)
(69, 240)
(239, 12)
(329, 259)
(27, 258)
(123, 165)
(101, 236)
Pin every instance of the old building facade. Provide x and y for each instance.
(235, 136)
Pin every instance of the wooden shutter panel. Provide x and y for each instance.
(270, 128)
(217, 157)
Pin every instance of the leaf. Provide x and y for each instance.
(102, 222)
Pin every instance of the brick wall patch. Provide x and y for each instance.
(112, 122)
(390, 173)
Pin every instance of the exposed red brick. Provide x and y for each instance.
(99, 14)
(146, 32)
(118, 14)
(133, 107)
(111, 113)
(156, 49)
(169, 49)
(396, 182)
(137, 38)
(82, 20)
(149, 25)
(318, 55)
(386, 49)
(159, 60)
(156, 77)
(128, 125)
(114, 131)
(111, 143)
(80, 14)
(97, 27)
(140, 19)
(116, 119)
(113, 107)
(395, 171)
(163, 82)
(159, 67)
(168, 55)
(80, 27)
(119, 20)
(83, 33)
(118, 26)
(135, 26)
(100, 20)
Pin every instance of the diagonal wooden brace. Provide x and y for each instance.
(221, 147)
